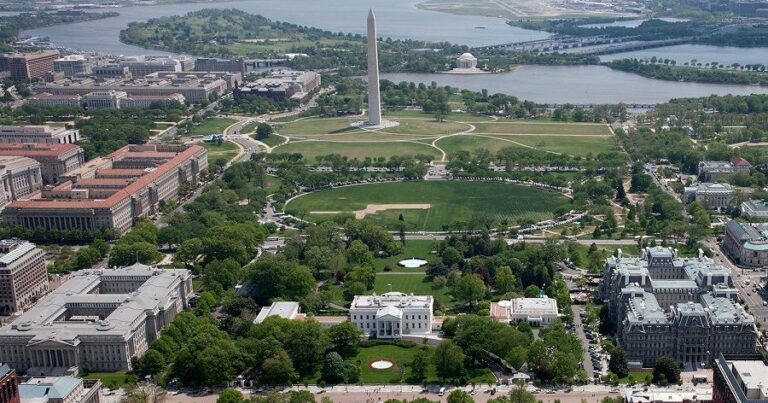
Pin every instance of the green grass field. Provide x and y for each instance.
(417, 249)
(226, 151)
(316, 126)
(400, 373)
(273, 140)
(369, 137)
(112, 380)
(426, 126)
(471, 143)
(211, 126)
(249, 127)
(312, 149)
(451, 202)
(416, 124)
(417, 283)
(579, 146)
(564, 129)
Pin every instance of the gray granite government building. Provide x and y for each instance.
(98, 319)
(686, 308)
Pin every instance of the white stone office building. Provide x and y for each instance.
(746, 244)
(540, 311)
(23, 277)
(755, 209)
(38, 134)
(686, 308)
(20, 178)
(711, 196)
(98, 318)
(392, 315)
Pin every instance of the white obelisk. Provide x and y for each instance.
(374, 97)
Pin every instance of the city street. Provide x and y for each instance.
(579, 327)
(483, 393)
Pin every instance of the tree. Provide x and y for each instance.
(532, 291)
(358, 254)
(230, 395)
(469, 288)
(618, 362)
(449, 360)
(520, 395)
(333, 368)
(278, 370)
(345, 338)
(143, 392)
(301, 396)
(451, 256)
(420, 364)
(152, 362)
(459, 396)
(666, 370)
(504, 281)
(263, 130)
(124, 254)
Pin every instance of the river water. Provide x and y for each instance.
(400, 19)
(577, 85)
(725, 55)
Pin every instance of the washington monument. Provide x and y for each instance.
(374, 98)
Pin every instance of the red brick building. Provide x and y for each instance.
(25, 66)
(9, 385)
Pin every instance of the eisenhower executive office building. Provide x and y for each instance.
(686, 308)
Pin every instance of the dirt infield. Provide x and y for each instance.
(375, 208)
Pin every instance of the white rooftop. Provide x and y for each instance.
(754, 377)
(283, 309)
(47, 320)
(397, 299)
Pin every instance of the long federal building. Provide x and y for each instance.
(20, 177)
(98, 318)
(130, 184)
(55, 159)
(686, 308)
(193, 88)
(38, 134)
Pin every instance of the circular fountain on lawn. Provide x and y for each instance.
(381, 364)
(412, 263)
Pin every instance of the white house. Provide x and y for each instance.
(536, 311)
(392, 315)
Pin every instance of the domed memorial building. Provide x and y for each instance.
(466, 61)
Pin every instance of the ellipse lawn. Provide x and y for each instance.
(451, 202)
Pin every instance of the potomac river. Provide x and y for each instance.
(400, 19)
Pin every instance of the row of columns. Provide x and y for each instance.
(53, 358)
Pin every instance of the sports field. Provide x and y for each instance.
(449, 202)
